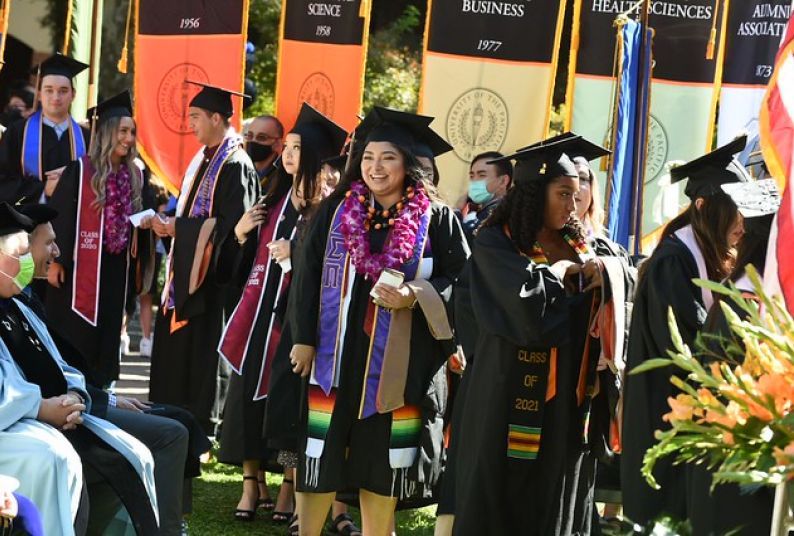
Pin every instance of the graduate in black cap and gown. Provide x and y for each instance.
(699, 243)
(535, 287)
(377, 388)
(40, 147)
(94, 198)
(427, 150)
(259, 256)
(219, 186)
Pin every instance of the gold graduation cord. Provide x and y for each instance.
(555, 58)
(5, 13)
(67, 35)
(122, 64)
(573, 58)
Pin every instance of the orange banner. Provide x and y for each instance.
(322, 53)
(180, 40)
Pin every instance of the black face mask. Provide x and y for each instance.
(258, 151)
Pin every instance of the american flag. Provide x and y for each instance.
(777, 144)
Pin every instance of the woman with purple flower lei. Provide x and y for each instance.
(94, 199)
(374, 349)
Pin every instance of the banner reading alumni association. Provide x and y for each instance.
(322, 53)
(178, 40)
(488, 77)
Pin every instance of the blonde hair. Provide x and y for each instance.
(102, 146)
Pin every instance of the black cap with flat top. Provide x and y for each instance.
(579, 149)
(319, 133)
(39, 213)
(707, 173)
(61, 65)
(393, 126)
(214, 99)
(12, 221)
(543, 161)
(116, 106)
(431, 145)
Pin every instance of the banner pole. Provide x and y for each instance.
(573, 57)
(642, 122)
(5, 12)
(67, 34)
(93, 68)
(555, 58)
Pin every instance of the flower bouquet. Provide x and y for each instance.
(735, 413)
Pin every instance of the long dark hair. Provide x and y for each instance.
(309, 166)
(413, 173)
(753, 247)
(710, 223)
(522, 211)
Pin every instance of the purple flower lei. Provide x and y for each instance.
(399, 246)
(118, 208)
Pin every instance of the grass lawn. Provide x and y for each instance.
(216, 493)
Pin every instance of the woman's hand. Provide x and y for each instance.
(146, 223)
(131, 404)
(301, 357)
(164, 227)
(390, 297)
(280, 250)
(56, 275)
(252, 217)
(591, 271)
(60, 412)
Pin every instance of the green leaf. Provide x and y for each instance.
(651, 364)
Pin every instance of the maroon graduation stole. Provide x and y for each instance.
(236, 338)
(87, 247)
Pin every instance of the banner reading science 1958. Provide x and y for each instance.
(488, 76)
(178, 40)
(322, 53)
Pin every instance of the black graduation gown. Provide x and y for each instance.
(494, 493)
(55, 152)
(241, 436)
(666, 282)
(367, 466)
(97, 457)
(100, 343)
(728, 507)
(184, 363)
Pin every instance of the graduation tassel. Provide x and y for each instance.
(713, 35)
(5, 12)
(67, 36)
(122, 64)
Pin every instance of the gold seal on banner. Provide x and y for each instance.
(173, 95)
(318, 90)
(477, 122)
(658, 146)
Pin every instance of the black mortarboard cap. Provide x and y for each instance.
(11, 221)
(337, 162)
(214, 99)
(39, 213)
(117, 106)
(754, 198)
(319, 133)
(60, 65)
(545, 160)
(430, 144)
(20, 190)
(711, 170)
(579, 149)
(401, 128)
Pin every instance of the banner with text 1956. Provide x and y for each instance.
(178, 40)
(322, 53)
(488, 77)
(755, 28)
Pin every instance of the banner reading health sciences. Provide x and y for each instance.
(488, 75)
(682, 107)
(178, 40)
(755, 28)
(322, 53)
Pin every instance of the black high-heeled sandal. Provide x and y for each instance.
(283, 517)
(247, 515)
(267, 503)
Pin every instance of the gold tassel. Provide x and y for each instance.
(122, 64)
(67, 36)
(712, 44)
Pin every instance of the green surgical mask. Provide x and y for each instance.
(478, 192)
(26, 269)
